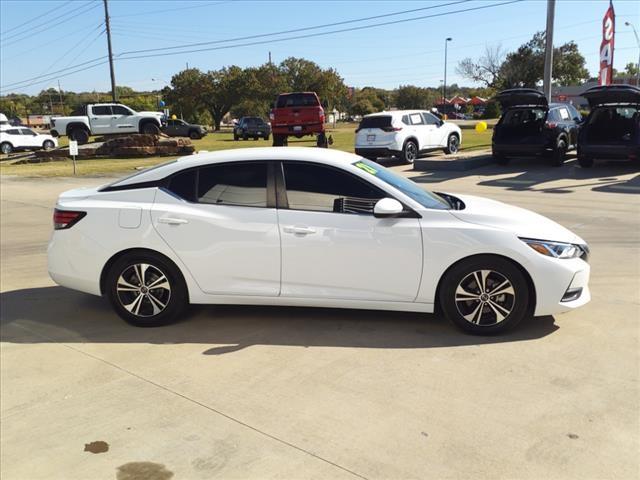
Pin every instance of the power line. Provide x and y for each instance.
(22, 24)
(80, 42)
(169, 10)
(63, 75)
(295, 30)
(53, 74)
(297, 37)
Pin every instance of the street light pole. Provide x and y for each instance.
(637, 42)
(444, 85)
(548, 50)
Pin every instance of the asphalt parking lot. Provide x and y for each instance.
(259, 392)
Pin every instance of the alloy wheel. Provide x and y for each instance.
(411, 152)
(485, 297)
(453, 144)
(143, 290)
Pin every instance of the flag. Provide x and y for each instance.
(605, 76)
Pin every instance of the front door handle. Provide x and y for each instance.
(299, 230)
(172, 221)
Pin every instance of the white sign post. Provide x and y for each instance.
(73, 151)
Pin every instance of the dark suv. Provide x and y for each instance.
(251, 127)
(531, 126)
(612, 129)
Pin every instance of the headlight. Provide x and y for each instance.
(556, 249)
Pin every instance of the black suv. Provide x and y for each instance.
(531, 126)
(251, 127)
(180, 128)
(612, 129)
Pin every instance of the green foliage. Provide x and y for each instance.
(409, 97)
(492, 110)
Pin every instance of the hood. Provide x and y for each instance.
(519, 97)
(154, 114)
(611, 94)
(522, 222)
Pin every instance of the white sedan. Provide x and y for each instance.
(310, 227)
(23, 138)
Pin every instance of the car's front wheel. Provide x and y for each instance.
(6, 148)
(453, 145)
(146, 290)
(585, 161)
(484, 295)
(48, 145)
(559, 153)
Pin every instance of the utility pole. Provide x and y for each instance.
(61, 101)
(638, 43)
(444, 85)
(113, 74)
(269, 58)
(548, 50)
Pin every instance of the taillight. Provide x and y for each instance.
(550, 124)
(63, 219)
(391, 129)
(272, 115)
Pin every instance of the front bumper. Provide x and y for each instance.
(558, 282)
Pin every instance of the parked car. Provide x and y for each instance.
(180, 128)
(405, 134)
(297, 114)
(22, 138)
(310, 227)
(104, 119)
(529, 125)
(612, 128)
(251, 127)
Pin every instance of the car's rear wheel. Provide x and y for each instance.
(410, 152)
(266, 137)
(279, 140)
(453, 144)
(484, 295)
(585, 161)
(235, 137)
(6, 148)
(48, 145)
(146, 290)
(559, 153)
(80, 135)
(322, 141)
(194, 135)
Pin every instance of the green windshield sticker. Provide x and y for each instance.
(366, 168)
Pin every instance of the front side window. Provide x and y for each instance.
(120, 110)
(324, 189)
(26, 131)
(430, 118)
(243, 184)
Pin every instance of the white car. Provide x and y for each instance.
(310, 227)
(405, 134)
(23, 138)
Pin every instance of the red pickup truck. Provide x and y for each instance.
(297, 114)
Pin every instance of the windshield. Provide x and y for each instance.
(423, 197)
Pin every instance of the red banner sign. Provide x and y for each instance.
(605, 77)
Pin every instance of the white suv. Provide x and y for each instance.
(405, 134)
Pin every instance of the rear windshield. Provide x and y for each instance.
(297, 100)
(375, 122)
(253, 121)
(521, 116)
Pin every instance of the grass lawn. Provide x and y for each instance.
(343, 139)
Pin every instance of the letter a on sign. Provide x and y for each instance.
(605, 76)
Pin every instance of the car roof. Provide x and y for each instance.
(316, 155)
(395, 113)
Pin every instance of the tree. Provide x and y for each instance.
(487, 69)
(366, 101)
(223, 89)
(410, 96)
(186, 93)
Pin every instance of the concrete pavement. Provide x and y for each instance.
(257, 392)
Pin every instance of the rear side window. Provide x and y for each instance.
(13, 131)
(243, 184)
(184, 185)
(101, 110)
(521, 116)
(379, 121)
(324, 189)
(564, 113)
(416, 119)
(297, 100)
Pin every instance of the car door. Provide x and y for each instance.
(333, 246)
(221, 221)
(29, 138)
(437, 134)
(100, 119)
(122, 120)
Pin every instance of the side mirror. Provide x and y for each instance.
(387, 207)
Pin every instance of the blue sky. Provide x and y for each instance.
(409, 52)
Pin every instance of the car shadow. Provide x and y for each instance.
(59, 315)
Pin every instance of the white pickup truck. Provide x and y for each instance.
(105, 119)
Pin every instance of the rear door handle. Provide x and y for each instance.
(299, 230)
(172, 221)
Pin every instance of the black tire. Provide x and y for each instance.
(255, 139)
(279, 140)
(235, 137)
(322, 141)
(245, 137)
(174, 299)
(266, 137)
(559, 153)
(500, 158)
(585, 161)
(48, 145)
(149, 128)
(483, 314)
(6, 148)
(409, 152)
(453, 144)
(80, 135)
(194, 135)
